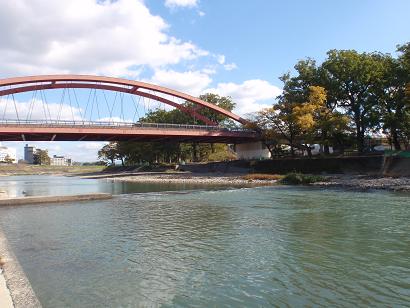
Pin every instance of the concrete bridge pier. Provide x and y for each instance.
(252, 150)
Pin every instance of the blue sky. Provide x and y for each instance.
(236, 48)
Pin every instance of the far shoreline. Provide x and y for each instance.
(243, 178)
(355, 182)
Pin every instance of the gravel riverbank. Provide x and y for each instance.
(357, 182)
(365, 182)
(193, 178)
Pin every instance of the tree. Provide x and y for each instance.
(41, 157)
(8, 159)
(317, 121)
(108, 152)
(389, 93)
(352, 76)
(224, 102)
(278, 125)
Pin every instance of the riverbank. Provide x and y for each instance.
(22, 169)
(366, 182)
(192, 178)
(356, 182)
(54, 199)
(15, 288)
(5, 297)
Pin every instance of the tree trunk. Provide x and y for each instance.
(395, 139)
(359, 139)
(194, 152)
(309, 151)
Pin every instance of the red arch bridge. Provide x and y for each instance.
(94, 108)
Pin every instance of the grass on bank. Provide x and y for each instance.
(292, 178)
(295, 178)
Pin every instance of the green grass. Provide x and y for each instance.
(294, 178)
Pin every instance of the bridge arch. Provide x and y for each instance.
(16, 85)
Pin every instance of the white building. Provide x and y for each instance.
(60, 161)
(7, 153)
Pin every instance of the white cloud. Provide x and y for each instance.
(115, 120)
(201, 13)
(38, 110)
(190, 82)
(250, 96)
(90, 146)
(86, 36)
(230, 66)
(220, 59)
(181, 3)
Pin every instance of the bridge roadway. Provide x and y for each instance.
(14, 130)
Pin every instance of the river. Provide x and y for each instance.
(206, 247)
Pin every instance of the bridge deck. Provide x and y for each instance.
(108, 131)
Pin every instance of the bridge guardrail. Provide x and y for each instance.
(104, 124)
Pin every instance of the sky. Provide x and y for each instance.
(230, 47)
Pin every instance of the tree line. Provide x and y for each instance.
(136, 153)
(340, 102)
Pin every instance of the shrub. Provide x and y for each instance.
(299, 178)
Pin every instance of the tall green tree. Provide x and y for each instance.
(389, 94)
(108, 153)
(224, 102)
(352, 76)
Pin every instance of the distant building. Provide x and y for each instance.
(60, 161)
(29, 154)
(7, 155)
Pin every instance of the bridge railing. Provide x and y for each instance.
(106, 124)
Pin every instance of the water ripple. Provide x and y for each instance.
(227, 248)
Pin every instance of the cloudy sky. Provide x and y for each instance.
(230, 47)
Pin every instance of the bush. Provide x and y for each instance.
(300, 179)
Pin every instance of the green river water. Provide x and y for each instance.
(186, 246)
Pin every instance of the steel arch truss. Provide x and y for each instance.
(16, 85)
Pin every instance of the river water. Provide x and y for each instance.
(248, 247)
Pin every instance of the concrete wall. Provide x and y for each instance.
(396, 166)
(332, 165)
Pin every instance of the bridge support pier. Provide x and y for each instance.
(252, 150)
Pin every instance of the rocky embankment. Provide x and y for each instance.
(366, 182)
